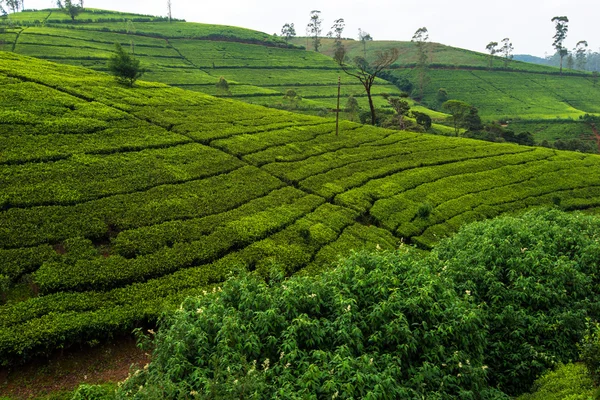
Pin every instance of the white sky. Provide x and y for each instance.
(468, 24)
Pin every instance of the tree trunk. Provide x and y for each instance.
(371, 106)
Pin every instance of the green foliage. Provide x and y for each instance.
(70, 8)
(94, 392)
(566, 382)
(368, 329)
(125, 67)
(589, 351)
(534, 277)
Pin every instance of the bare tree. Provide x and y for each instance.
(367, 72)
(420, 38)
(170, 15)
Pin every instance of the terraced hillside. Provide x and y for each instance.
(117, 203)
(259, 68)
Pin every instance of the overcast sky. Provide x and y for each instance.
(469, 24)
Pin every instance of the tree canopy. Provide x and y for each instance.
(124, 66)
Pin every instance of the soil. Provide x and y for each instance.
(65, 371)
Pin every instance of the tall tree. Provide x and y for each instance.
(581, 54)
(367, 72)
(364, 37)
(314, 28)
(420, 39)
(288, 31)
(506, 50)
(338, 29)
(69, 8)
(492, 48)
(169, 14)
(561, 24)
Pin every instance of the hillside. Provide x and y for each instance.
(259, 68)
(118, 203)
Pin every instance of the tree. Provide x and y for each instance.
(400, 106)
(507, 49)
(492, 49)
(570, 60)
(352, 107)
(367, 72)
(338, 29)
(124, 67)
(458, 109)
(580, 51)
(420, 39)
(364, 37)
(222, 86)
(169, 14)
(314, 28)
(472, 121)
(288, 31)
(561, 24)
(422, 119)
(12, 5)
(69, 8)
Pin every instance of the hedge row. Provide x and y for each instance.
(88, 177)
(101, 273)
(95, 219)
(341, 179)
(363, 197)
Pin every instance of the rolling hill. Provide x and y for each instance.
(259, 68)
(118, 203)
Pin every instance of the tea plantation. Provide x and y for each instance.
(259, 68)
(119, 203)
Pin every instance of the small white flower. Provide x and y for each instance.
(151, 331)
(484, 367)
(348, 308)
(459, 365)
(266, 364)
(468, 292)
(199, 311)
(281, 355)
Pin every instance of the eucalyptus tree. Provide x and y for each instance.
(492, 48)
(364, 37)
(288, 31)
(561, 24)
(506, 50)
(169, 14)
(420, 38)
(581, 54)
(314, 27)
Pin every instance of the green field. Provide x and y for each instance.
(118, 203)
(259, 68)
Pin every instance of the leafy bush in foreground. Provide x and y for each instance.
(536, 278)
(379, 326)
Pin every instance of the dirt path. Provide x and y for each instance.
(64, 372)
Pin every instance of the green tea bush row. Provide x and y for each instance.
(16, 262)
(105, 273)
(363, 198)
(148, 239)
(87, 177)
(341, 179)
(162, 203)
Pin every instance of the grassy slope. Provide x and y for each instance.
(182, 54)
(519, 91)
(117, 203)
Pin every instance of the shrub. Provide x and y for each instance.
(535, 278)
(378, 326)
(590, 352)
(566, 382)
(124, 67)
